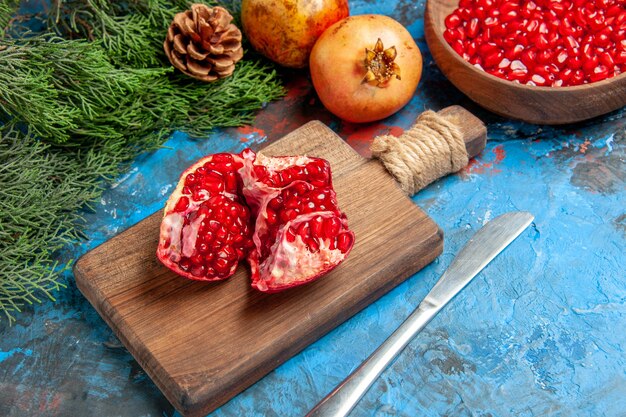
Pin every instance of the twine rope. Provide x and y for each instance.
(430, 149)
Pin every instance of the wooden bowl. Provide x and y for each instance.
(544, 105)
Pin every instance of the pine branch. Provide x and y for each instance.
(89, 106)
(8, 8)
(129, 30)
(68, 92)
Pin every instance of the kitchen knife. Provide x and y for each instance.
(485, 245)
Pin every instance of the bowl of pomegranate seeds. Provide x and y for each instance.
(541, 61)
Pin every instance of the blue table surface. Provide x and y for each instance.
(541, 331)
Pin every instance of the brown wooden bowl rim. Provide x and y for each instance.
(482, 73)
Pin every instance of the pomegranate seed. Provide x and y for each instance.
(607, 60)
(472, 28)
(303, 230)
(292, 204)
(213, 184)
(538, 80)
(585, 37)
(182, 204)
(288, 215)
(344, 242)
(331, 227)
(452, 21)
(221, 265)
(231, 182)
(199, 270)
(590, 62)
(271, 216)
(493, 59)
(290, 235)
(599, 73)
(222, 157)
(313, 245)
(578, 77)
(544, 57)
(316, 226)
(197, 260)
(185, 264)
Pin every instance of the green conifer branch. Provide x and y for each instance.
(78, 103)
(8, 8)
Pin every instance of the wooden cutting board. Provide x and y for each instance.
(202, 343)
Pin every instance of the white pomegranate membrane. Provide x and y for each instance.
(280, 213)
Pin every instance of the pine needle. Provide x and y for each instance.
(78, 103)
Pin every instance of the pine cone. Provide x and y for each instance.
(203, 43)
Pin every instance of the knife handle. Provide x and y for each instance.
(345, 396)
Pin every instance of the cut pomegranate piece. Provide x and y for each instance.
(206, 229)
(299, 232)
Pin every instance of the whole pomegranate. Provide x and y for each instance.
(286, 30)
(280, 213)
(365, 67)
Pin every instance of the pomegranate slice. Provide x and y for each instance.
(206, 230)
(299, 232)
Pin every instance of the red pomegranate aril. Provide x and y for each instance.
(221, 266)
(505, 63)
(493, 59)
(344, 241)
(538, 80)
(316, 226)
(508, 16)
(452, 21)
(471, 48)
(607, 60)
(185, 264)
(544, 57)
(472, 28)
(553, 40)
(270, 216)
(290, 235)
(613, 10)
(542, 32)
(458, 47)
(451, 35)
(197, 260)
(460, 31)
(599, 73)
(182, 204)
(331, 227)
(514, 53)
(532, 26)
(590, 62)
(578, 77)
(198, 270)
(312, 245)
(222, 158)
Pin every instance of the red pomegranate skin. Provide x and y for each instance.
(286, 30)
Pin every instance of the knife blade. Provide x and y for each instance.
(481, 249)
